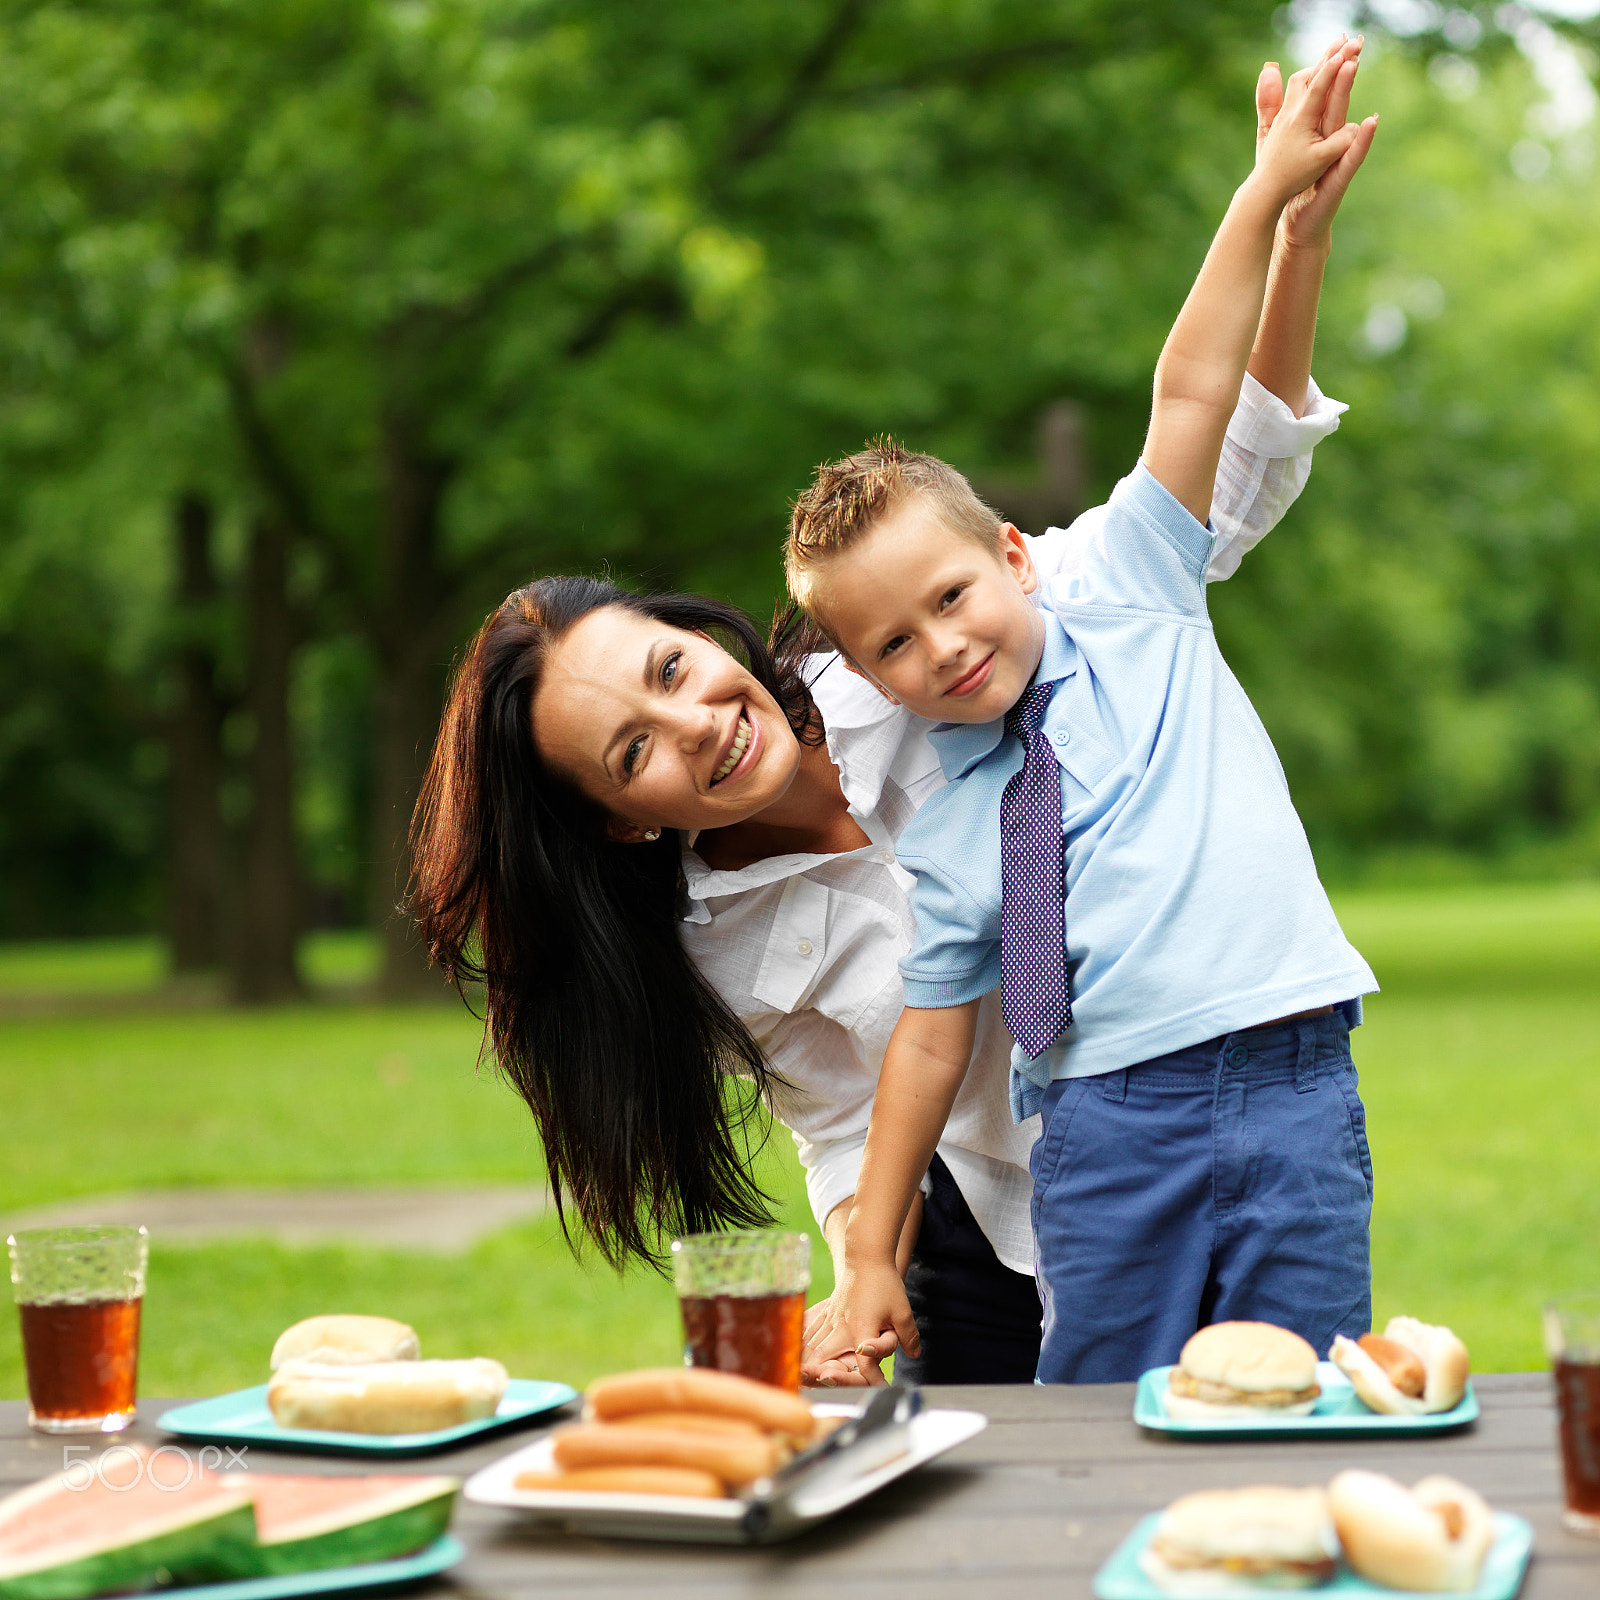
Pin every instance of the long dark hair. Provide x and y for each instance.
(593, 1008)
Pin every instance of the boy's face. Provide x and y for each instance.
(939, 623)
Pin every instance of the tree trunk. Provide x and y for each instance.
(408, 637)
(267, 915)
(194, 865)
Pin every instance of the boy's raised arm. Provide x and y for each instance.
(1204, 359)
(1281, 358)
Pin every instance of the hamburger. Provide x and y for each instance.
(1224, 1538)
(1243, 1369)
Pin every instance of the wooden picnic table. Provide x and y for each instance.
(1031, 1507)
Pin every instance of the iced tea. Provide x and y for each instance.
(743, 1296)
(82, 1362)
(78, 1292)
(758, 1336)
(1572, 1337)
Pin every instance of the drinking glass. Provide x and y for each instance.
(78, 1292)
(743, 1298)
(1572, 1337)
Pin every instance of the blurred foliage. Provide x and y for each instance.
(467, 289)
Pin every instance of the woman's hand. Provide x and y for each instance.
(867, 1319)
(843, 1370)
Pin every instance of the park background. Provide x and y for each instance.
(323, 323)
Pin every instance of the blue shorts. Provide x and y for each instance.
(1229, 1180)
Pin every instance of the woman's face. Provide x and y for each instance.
(662, 727)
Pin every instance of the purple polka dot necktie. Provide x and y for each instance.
(1033, 953)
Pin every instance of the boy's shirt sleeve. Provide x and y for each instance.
(1266, 459)
(1145, 556)
(952, 847)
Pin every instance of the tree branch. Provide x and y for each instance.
(818, 62)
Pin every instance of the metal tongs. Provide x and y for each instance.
(869, 1434)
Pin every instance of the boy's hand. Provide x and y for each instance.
(868, 1318)
(1301, 131)
(842, 1369)
(1307, 219)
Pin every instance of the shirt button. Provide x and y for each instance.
(887, 857)
(804, 947)
(1061, 736)
(1238, 1055)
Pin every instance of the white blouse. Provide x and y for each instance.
(806, 948)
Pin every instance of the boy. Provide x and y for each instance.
(1183, 1030)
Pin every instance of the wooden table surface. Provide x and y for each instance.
(1031, 1507)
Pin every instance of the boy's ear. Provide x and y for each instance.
(866, 677)
(1018, 557)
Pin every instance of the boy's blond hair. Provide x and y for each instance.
(849, 497)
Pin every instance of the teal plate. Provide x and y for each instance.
(1122, 1578)
(243, 1418)
(443, 1552)
(1337, 1411)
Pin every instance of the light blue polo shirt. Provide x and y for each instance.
(1193, 905)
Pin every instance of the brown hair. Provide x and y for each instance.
(849, 497)
(594, 1010)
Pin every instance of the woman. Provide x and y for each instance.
(669, 857)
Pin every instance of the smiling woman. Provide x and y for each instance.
(583, 722)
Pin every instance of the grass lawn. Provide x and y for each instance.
(1480, 1066)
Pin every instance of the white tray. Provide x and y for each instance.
(661, 1516)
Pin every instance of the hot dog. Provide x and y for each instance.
(628, 1480)
(691, 1422)
(1384, 1370)
(1402, 1367)
(732, 1460)
(1433, 1536)
(722, 1394)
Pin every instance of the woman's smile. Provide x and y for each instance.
(746, 740)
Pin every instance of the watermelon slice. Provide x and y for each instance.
(138, 1525)
(303, 1524)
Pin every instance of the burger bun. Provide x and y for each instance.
(1218, 1539)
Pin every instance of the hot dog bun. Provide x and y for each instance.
(722, 1394)
(1442, 1356)
(1432, 1537)
(627, 1480)
(340, 1339)
(385, 1396)
(731, 1460)
(1372, 1384)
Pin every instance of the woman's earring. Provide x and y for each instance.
(651, 835)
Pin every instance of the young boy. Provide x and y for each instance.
(1183, 1027)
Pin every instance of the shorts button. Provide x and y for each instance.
(1238, 1055)
(804, 947)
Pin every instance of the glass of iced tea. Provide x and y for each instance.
(78, 1292)
(1572, 1337)
(743, 1298)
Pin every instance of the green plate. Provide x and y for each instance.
(1122, 1578)
(243, 1418)
(1337, 1411)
